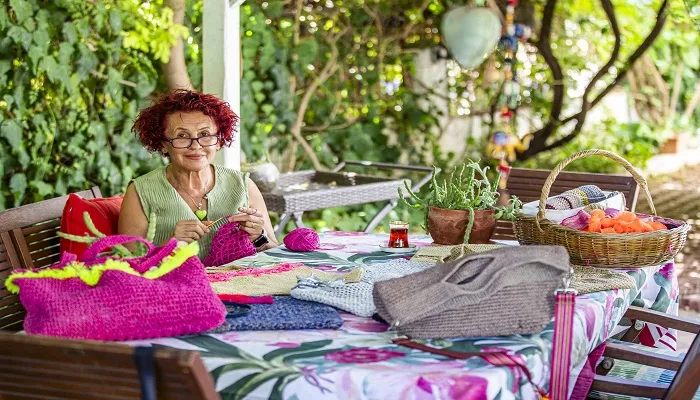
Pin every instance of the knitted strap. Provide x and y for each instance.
(560, 368)
(110, 241)
(154, 257)
(142, 264)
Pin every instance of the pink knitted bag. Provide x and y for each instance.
(229, 244)
(164, 293)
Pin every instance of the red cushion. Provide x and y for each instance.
(104, 213)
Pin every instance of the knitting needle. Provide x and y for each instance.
(212, 223)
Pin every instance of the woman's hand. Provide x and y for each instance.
(190, 230)
(251, 221)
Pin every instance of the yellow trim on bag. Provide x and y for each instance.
(91, 275)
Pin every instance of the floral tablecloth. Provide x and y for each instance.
(360, 362)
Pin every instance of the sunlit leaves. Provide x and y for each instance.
(68, 101)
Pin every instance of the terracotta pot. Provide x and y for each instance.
(484, 226)
(448, 227)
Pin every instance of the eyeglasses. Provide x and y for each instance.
(183, 143)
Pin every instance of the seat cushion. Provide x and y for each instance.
(638, 372)
(104, 213)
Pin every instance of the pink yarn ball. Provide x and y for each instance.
(302, 239)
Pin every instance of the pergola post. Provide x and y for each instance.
(221, 58)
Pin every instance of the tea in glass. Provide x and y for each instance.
(398, 234)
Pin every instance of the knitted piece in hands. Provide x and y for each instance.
(576, 198)
(230, 244)
(302, 239)
(287, 313)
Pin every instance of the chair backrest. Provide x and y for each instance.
(28, 239)
(11, 311)
(527, 184)
(33, 367)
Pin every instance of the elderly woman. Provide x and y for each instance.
(188, 128)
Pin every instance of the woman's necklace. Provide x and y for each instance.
(201, 214)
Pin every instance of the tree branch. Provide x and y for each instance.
(675, 95)
(327, 71)
(175, 70)
(409, 27)
(644, 46)
(690, 109)
(293, 81)
(327, 125)
(659, 82)
(655, 31)
(610, 13)
(545, 48)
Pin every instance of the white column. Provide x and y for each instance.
(221, 52)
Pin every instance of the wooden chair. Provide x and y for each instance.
(527, 184)
(28, 240)
(684, 384)
(33, 367)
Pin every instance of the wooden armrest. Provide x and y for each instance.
(628, 353)
(662, 319)
(627, 387)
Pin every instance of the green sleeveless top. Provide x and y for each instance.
(160, 198)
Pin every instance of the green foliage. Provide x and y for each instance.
(636, 142)
(73, 76)
(354, 114)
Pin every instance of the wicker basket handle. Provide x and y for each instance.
(553, 176)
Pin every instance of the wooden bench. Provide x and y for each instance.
(28, 240)
(526, 184)
(33, 367)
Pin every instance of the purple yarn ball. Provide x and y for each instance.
(302, 239)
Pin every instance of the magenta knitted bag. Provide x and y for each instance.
(164, 293)
(229, 244)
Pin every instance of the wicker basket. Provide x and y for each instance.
(630, 250)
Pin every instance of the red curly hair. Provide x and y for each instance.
(149, 126)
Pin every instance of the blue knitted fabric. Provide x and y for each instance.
(287, 313)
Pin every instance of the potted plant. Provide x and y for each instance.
(464, 207)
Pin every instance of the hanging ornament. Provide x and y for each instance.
(491, 73)
(471, 34)
(504, 144)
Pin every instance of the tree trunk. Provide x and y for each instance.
(175, 69)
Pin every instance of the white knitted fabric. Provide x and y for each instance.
(356, 298)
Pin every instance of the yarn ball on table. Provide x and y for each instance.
(302, 239)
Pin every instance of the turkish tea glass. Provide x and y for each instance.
(398, 234)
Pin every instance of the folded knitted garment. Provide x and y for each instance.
(275, 280)
(500, 292)
(575, 198)
(589, 280)
(355, 298)
(286, 313)
(439, 254)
